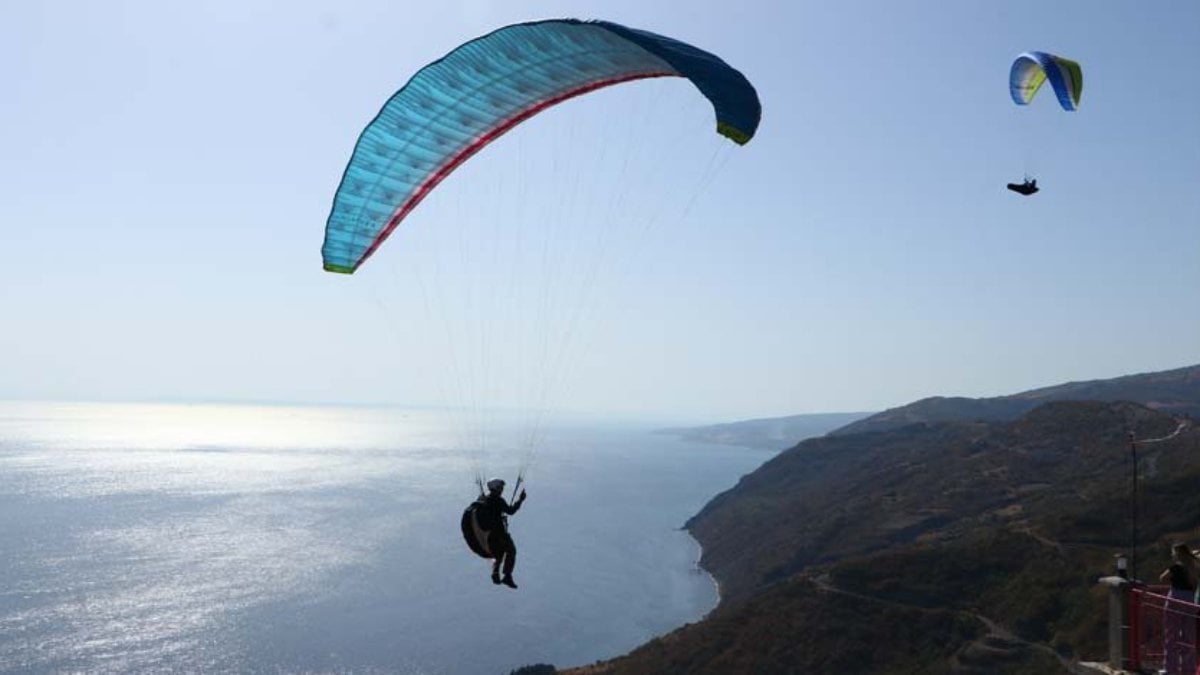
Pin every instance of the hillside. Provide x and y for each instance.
(954, 546)
(768, 433)
(840, 496)
(1172, 391)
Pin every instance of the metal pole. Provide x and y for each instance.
(1133, 510)
(1184, 423)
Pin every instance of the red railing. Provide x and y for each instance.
(1162, 631)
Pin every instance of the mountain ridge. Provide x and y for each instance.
(1176, 391)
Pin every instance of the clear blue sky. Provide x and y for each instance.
(167, 169)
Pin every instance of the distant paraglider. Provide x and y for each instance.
(1029, 71)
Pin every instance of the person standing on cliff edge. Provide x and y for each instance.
(1179, 614)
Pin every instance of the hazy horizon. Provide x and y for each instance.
(561, 416)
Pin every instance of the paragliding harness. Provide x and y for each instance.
(1026, 188)
(479, 521)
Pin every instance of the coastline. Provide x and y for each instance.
(597, 667)
(699, 567)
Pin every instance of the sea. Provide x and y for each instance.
(240, 538)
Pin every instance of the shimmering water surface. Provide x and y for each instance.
(210, 538)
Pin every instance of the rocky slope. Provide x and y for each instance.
(968, 544)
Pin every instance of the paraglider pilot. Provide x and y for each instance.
(1026, 188)
(493, 516)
